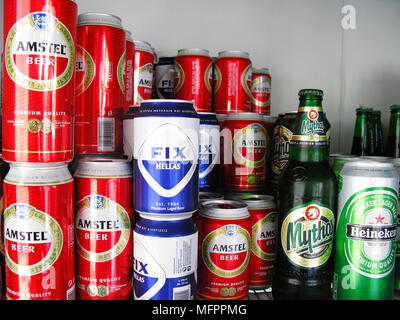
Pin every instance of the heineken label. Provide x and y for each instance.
(312, 128)
(307, 234)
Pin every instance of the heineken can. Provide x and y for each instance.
(366, 231)
(338, 160)
(396, 164)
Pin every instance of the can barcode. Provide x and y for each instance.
(182, 293)
(105, 134)
(71, 293)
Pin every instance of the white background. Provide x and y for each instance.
(301, 41)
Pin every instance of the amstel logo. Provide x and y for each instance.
(39, 52)
(226, 251)
(246, 80)
(121, 72)
(85, 70)
(261, 89)
(264, 234)
(103, 228)
(33, 239)
(208, 78)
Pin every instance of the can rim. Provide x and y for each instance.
(194, 52)
(99, 18)
(261, 70)
(103, 168)
(214, 209)
(368, 163)
(245, 116)
(38, 165)
(165, 216)
(233, 54)
(255, 200)
(142, 46)
(128, 36)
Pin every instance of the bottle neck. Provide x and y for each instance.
(394, 125)
(361, 127)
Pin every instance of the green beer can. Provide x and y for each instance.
(396, 163)
(365, 243)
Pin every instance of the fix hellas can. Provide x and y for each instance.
(233, 76)
(261, 91)
(164, 78)
(103, 229)
(38, 80)
(365, 237)
(100, 93)
(165, 153)
(209, 151)
(245, 151)
(224, 250)
(142, 72)
(127, 126)
(264, 229)
(165, 258)
(194, 78)
(39, 232)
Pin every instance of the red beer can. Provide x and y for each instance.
(224, 250)
(232, 88)
(39, 232)
(103, 229)
(38, 80)
(194, 78)
(245, 151)
(142, 72)
(261, 91)
(100, 93)
(264, 229)
(128, 76)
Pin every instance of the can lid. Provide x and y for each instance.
(254, 200)
(193, 52)
(224, 209)
(261, 70)
(377, 158)
(245, 116)
(396, 162)
(103, 168)
(269, 118)
(166, 217)
(233, 54)
(370, 165)
(142, 46)
(97, 18)
(128, 36)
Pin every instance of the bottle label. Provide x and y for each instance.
(307, 234)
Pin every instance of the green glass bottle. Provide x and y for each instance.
(377, 134)
(307, 196)
(393, 140)
(362, 139)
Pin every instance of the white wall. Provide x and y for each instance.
(301, 41)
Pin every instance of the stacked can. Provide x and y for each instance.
(164, 78)
(128, 76)
(142, 72)
(38, 112)
(261, 91)
(166, 170)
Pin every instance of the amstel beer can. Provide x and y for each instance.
(127, 126)
(38, 80)
(103, 230)
(264, 230)
(100, 93)
(39, 232)
(365, 245)
(232, 88)
(209, 151)
(165, 258)
(193, 80)
(224, 250)
(261, 91)
(165, 78)
(396, 164)
(128, 75)
(166, 153)
(245, 151)
(142, 72)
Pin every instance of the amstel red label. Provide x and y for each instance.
(261, 93)
(142, 76)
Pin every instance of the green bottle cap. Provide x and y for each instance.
(311, 92)
(363, 110)
(395, 107)
(376, 113)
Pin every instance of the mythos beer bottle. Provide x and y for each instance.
(307, 196)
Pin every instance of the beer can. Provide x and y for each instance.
(224, 250)
(165, 154)
(142, 72)
(104, 216)
(261, 91)
(100, 93)
(127, 126)
(264, 230)
(128, 75)
(365, 243)
(194, 78)
(337, 161)
(165, 78)
(209, 151)
(39, 232)
(165, 258)
(281, 136)
(396, 164)
(4, 167)
(233, 76)
(39, 80)
(245, 151)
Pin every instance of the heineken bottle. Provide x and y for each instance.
(377, 135)
(307, 195)
(393, 139)
(362, 138)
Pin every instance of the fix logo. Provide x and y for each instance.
(167, 153)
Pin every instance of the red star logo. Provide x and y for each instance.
(379, 219)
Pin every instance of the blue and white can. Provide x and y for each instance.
(166, 154)
(165, 258)
(209, 151)
(165, 74)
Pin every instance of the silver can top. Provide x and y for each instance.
(368, 168)
(254, 201)
(224, 209)
(193, 52)
(143, 46)
(103, 168)
(233, 54)
(245, 116)
(96, 18)
(261, 70)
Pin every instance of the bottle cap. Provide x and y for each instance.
(311, 92)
